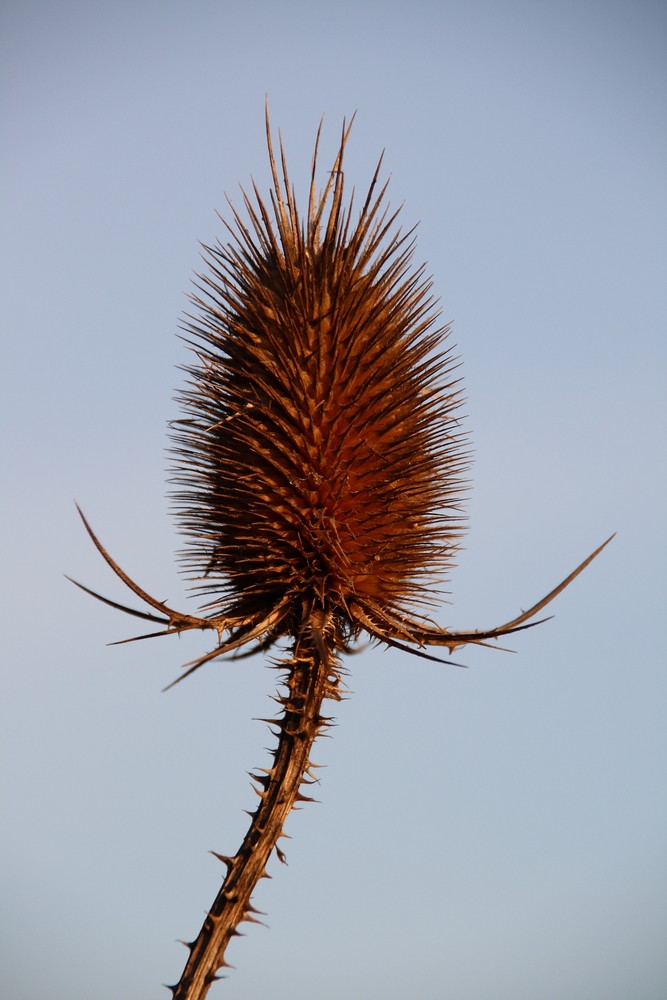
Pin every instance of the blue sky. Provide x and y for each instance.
(491, 834)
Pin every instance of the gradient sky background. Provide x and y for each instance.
(498, 833)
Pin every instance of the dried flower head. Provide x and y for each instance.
(320, 472)
(321, 457)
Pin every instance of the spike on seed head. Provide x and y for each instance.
(320, 464)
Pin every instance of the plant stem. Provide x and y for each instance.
(313, 676)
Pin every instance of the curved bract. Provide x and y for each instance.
(263, 631)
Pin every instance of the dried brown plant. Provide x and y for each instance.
(320, 470)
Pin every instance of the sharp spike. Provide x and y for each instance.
(215, 977)
(225, 858)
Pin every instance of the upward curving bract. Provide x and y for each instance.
(320, 469)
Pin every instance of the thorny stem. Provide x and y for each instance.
(313, 676)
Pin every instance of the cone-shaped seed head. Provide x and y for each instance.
(320, 462)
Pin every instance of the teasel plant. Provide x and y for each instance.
(320, 468)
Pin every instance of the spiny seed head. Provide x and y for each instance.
(320, 462)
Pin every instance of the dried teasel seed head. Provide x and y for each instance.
(320, 468)
(321, 460)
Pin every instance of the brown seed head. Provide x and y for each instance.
(321, 459)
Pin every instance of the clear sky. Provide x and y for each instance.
(498, 833)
